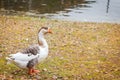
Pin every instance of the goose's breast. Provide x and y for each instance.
(43, 54)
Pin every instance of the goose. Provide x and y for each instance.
(34, 54)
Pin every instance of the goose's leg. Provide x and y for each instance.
(30, 71)
(31, 64)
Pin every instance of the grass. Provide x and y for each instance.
(78, 50)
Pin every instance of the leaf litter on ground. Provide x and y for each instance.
(78, 50)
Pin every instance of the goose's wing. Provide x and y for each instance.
(27, 54)
(31, 50)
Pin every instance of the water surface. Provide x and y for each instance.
(73, 10)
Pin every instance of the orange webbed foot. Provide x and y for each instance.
(33, 71)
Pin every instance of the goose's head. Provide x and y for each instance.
(45, 30)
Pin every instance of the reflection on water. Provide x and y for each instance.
(108, 3)
(75, 10)
(40, 6)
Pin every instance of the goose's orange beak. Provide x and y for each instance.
(49, 31)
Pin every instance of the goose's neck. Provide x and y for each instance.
(41, 40)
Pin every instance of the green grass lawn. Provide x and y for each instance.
(77, 50)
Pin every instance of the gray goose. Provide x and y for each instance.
(34, 54)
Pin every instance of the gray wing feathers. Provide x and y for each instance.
(34, 49)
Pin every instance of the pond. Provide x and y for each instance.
(73, 10)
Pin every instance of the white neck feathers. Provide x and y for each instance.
(41, 40)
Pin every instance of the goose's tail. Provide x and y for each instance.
(9, 60)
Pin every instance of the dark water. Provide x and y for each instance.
(74, 10)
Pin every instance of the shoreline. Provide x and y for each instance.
(85, 21)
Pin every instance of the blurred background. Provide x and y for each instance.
(75, 10)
